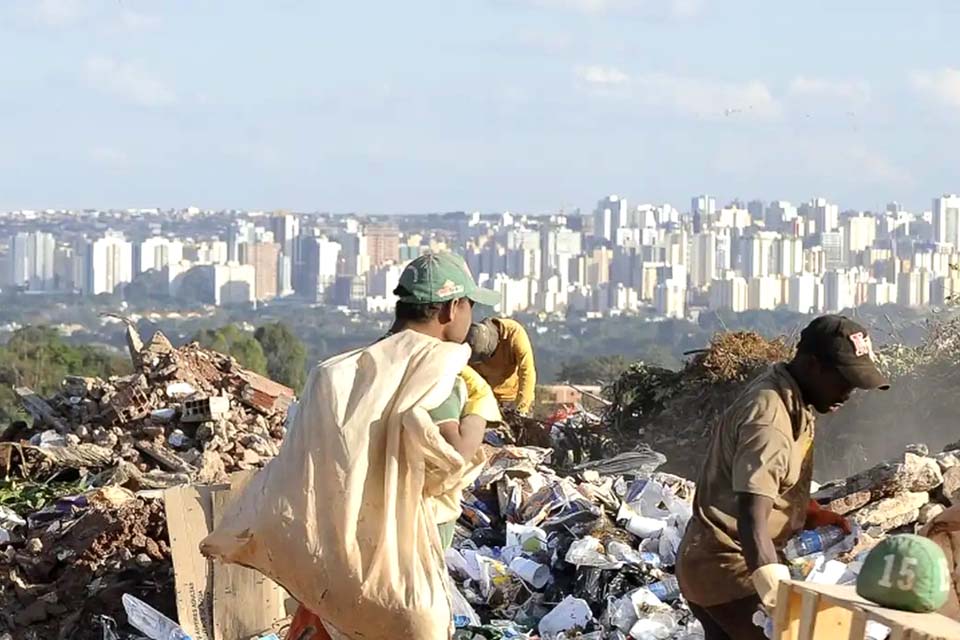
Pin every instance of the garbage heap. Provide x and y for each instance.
(81, 513)
(186, 414)
(587, 554)
(675, 411)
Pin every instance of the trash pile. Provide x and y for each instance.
(582, 555)
(186, 414)
(82, 520)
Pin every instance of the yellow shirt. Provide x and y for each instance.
(511, 370)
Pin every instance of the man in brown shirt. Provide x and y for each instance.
(753, 493)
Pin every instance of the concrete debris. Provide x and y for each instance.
(179, 408)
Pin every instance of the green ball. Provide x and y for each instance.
(905, 572)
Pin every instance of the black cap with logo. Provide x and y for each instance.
(846, 346)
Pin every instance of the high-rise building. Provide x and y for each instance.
(702, 209)
(703, 259)
(156, 252)
(670, 299)
(860, 232)
(321, 258)
(839, 290)
(730, 292)
(790, 256)
(779, 213)
(758, 253)
(764, 292)
(833, 250)
(383, 244)
(264, 257)
(32, 261)
(946, 220)
(608, 217)
(108, 263)
(240, 231)
(803, 296)
(825, 216)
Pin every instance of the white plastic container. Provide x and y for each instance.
(533, 573)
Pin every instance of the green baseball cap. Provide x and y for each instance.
(906, 572)
(440, 277)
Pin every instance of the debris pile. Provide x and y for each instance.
(81, 513)
(70, 563)
(185, 414)
(898, 495)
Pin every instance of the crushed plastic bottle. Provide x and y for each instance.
(151, 622)
(808, 542)
(667, 590)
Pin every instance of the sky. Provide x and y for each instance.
(490, 105)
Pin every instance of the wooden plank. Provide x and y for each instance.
(245, 602)
(809, 603)
(781, 614)
(858, 626)
(934, 625)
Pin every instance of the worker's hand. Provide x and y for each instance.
(766, 580)
(817, 517)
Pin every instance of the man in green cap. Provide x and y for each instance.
(436, 294)
(753, 493)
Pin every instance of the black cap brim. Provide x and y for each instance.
(864, 376)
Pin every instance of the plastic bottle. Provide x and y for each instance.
(667, 590)
(151, 622)
(809, 542)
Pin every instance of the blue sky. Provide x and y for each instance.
(527, 105)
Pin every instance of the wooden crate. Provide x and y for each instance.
(829, 612)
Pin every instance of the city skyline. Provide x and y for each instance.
(642, 259)
(533, 105)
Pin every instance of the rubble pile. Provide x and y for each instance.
(897, 496)
(185, 414)
(70, 563)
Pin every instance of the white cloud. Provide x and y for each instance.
(942, 85)
(851, 92)
(685, 95)
(598, 75)
(128, 82)
(650, 8)
(57, 13)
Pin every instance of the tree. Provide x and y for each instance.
(234, 342)
(38, 357)
(286, 355)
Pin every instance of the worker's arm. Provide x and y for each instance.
(753, 513)
(465, 435)
(526, 370)
(760, 464)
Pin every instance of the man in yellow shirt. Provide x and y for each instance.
(502, 354)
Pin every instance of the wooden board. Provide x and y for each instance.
(215, 601)
(189, 511)
(821, 611)
(245, 602)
